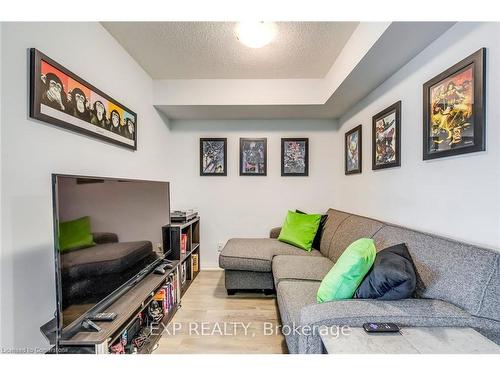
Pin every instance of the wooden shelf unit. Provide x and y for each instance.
(191, 229)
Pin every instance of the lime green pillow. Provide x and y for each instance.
(347, 273)
(299, 230)
(75, 234)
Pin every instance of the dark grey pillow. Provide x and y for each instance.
(392, 276)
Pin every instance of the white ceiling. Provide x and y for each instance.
(201, 50)
(311, 70)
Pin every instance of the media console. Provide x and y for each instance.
(183, 269)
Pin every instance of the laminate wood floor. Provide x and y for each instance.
(210, 321)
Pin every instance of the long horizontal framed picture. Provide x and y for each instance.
(61, 98)
(294, 156)
(454, 109)
(253, 156)
(213, 156)
(386, 138)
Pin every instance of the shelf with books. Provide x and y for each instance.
(142, 332)
(185, 246)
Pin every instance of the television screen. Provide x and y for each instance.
(107, 231)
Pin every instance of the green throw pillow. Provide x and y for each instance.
(75, 234)
(347, 273)
(299, 230)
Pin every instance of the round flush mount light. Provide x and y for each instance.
(256, 34)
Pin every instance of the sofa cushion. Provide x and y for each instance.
(335, 218)
(317, 238)
(290, 267)
(348, 272)
(452, 271)
(292, 296)
(299, 230)
(392, 276)
(352, 228)
(256, 254)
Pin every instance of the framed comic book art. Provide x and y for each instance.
(61, 98)
(253, 156)
(386, 137)
(353, 150)
(294, 156)
(213, 156)
(454, 109)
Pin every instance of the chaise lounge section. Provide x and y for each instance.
(457, 284)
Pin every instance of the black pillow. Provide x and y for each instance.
(317, 237)
(391, 277)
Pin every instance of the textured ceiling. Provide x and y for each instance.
(191, 50)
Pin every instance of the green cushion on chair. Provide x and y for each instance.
(75, 234)
(299, 230)
(348, 272)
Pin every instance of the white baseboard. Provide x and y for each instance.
(211, 268)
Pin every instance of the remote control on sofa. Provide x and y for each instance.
(380, 327)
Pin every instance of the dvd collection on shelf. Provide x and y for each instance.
(183, 273)
(184, 239)
(194, 262)
(136, 334)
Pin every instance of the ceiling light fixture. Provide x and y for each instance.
(256, 34)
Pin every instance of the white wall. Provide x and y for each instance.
(248, 206)
(32, 150)
(457, 196)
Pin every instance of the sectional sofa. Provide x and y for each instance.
(458, 284)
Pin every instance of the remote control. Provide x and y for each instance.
(159, 270)
(90, 325)
(103, 317)
(380, 327)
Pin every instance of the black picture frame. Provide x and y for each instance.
(224, 150)
(382, 115)
(305, 172)
(244, 144)
(455, 143)
(59, 113)
(358, 129)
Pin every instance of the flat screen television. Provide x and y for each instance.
(108, 233)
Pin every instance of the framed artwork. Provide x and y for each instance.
(386, 137)
(454, 109)
(294, 156)
(253, 156)
(61, 98)
(213, 156)
(353, 150)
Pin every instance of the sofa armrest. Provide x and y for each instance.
(105, 237)
(275, 232)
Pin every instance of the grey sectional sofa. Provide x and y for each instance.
(458, 284)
